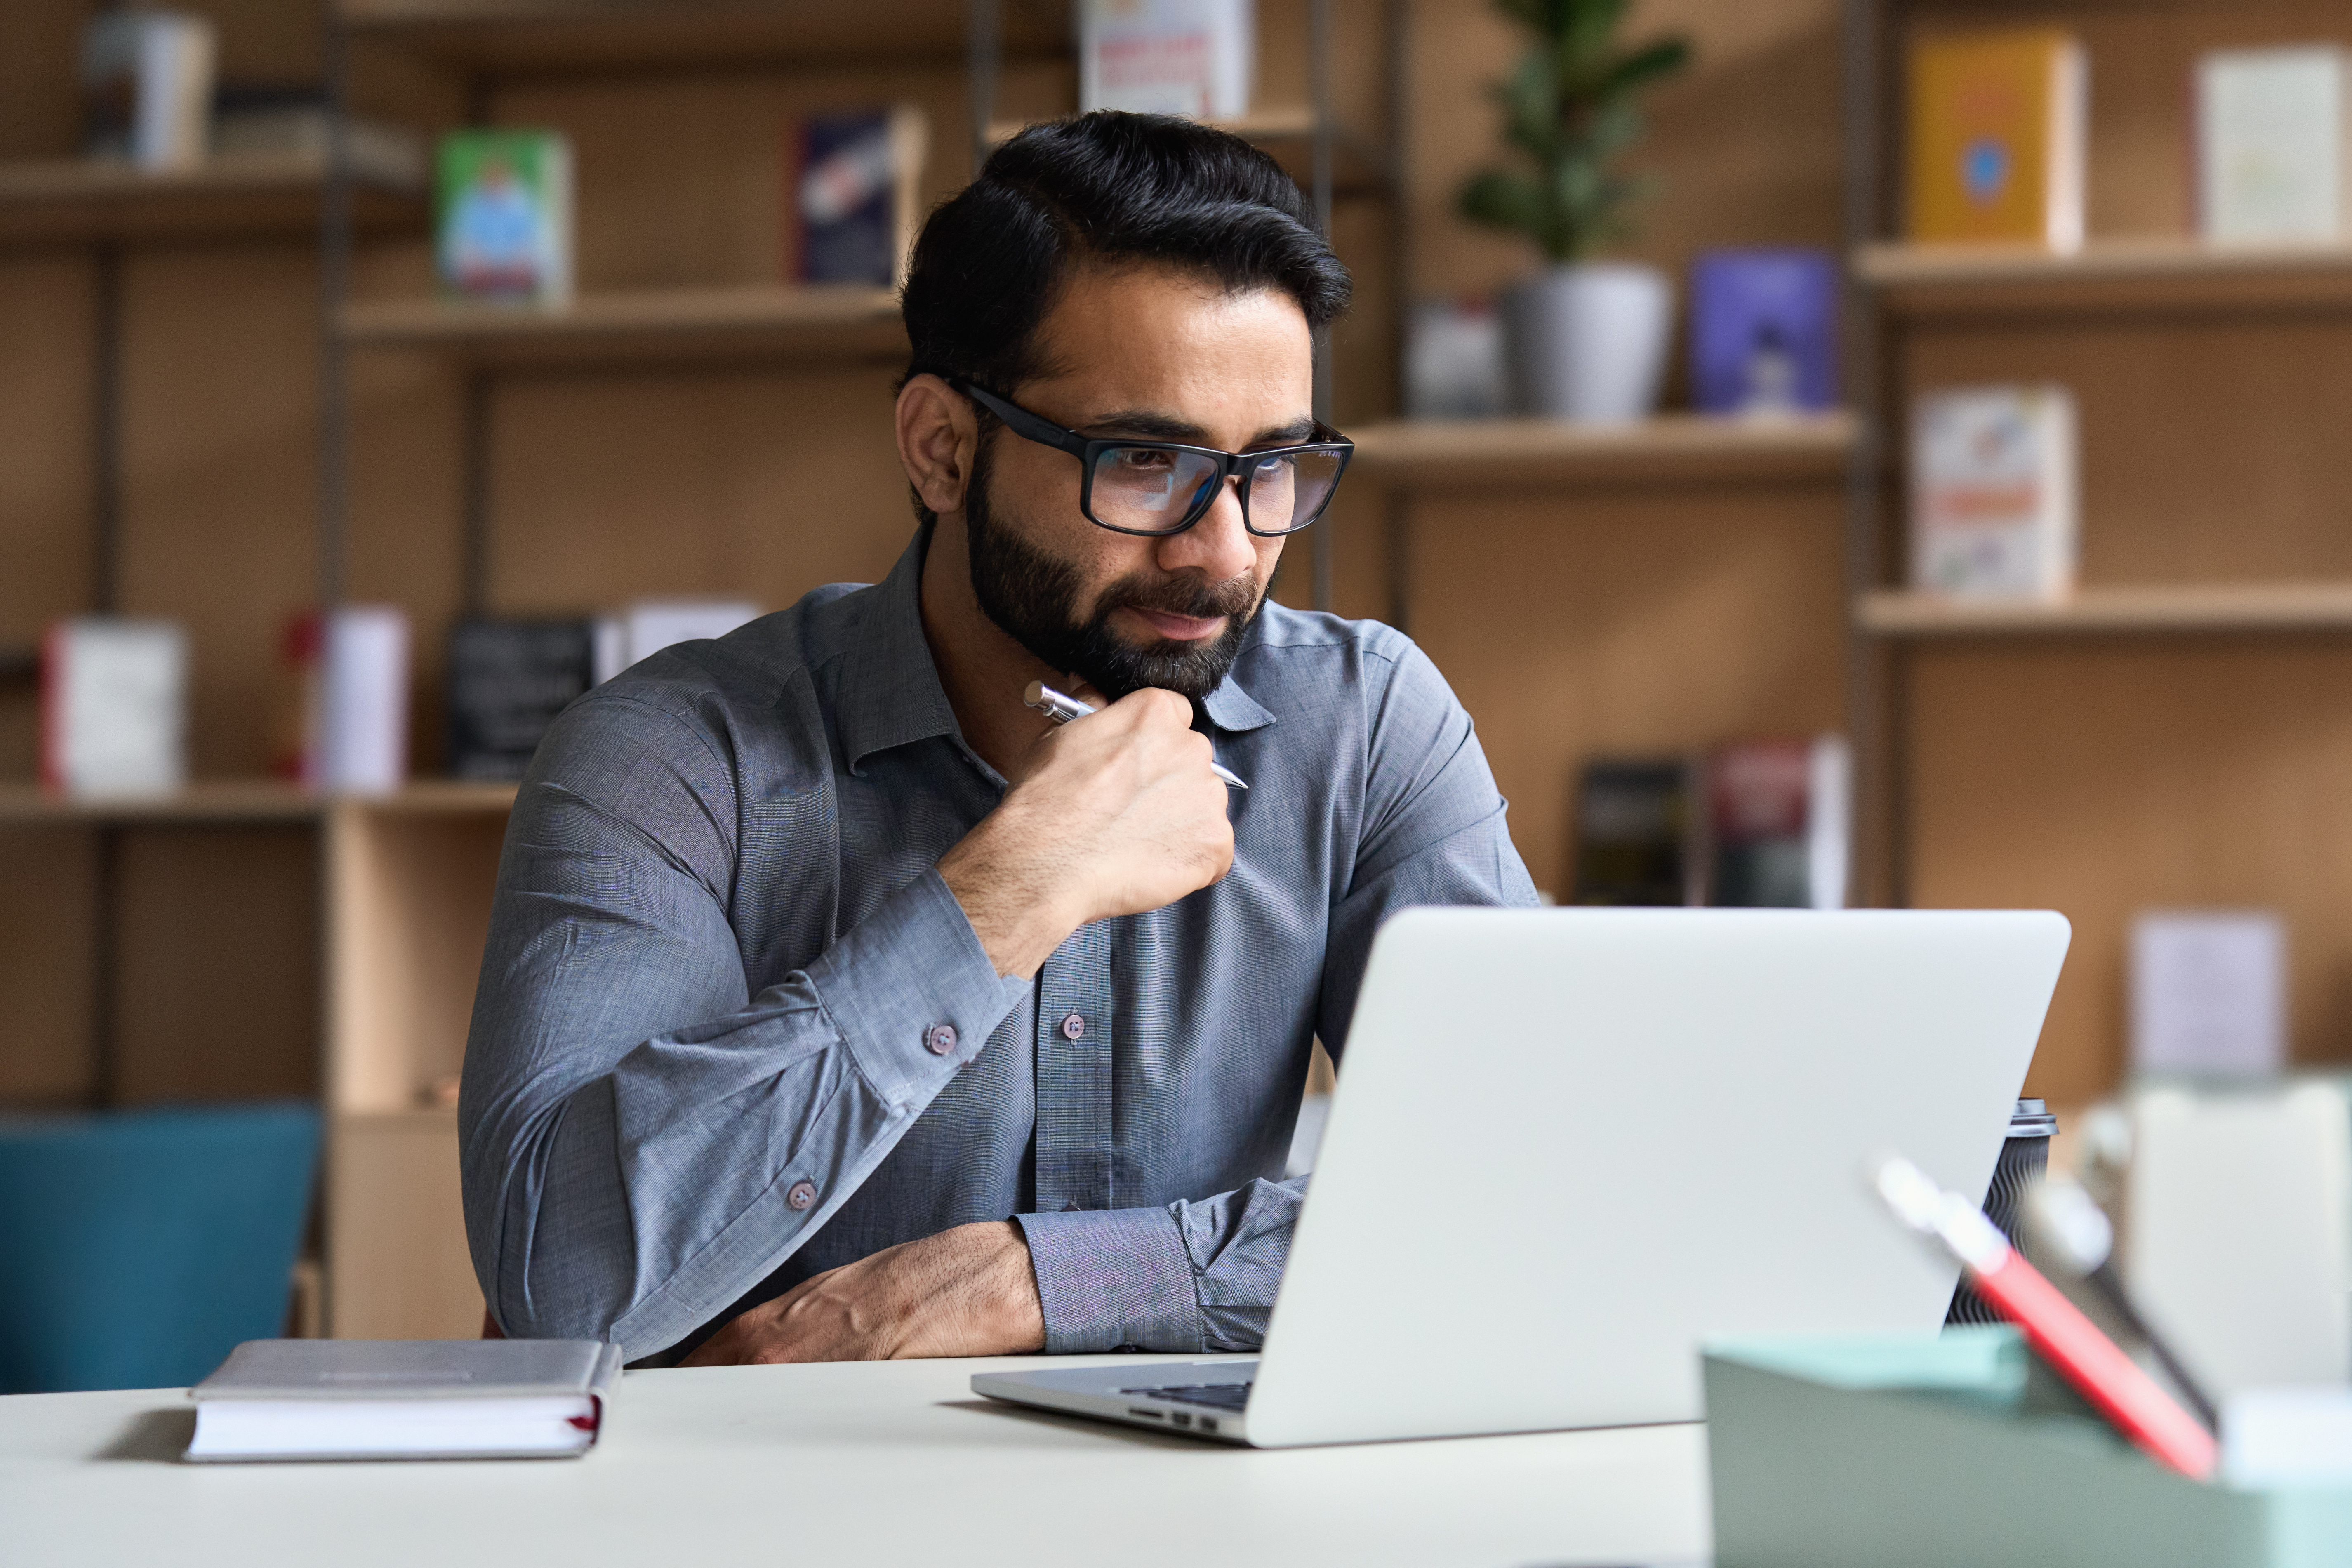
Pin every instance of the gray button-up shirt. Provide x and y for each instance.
(706, 1059)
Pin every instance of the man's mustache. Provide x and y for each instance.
(1187, 593)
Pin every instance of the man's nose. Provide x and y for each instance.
(1217, 545)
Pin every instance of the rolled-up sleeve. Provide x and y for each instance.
(642, 1137)
(1193, 1276)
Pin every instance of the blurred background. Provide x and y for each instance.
(1840, 451)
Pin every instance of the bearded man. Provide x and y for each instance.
(838, 1006)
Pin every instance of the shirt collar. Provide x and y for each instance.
(1231, 709)
(890, 691)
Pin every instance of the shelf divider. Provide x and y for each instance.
(2144, 609)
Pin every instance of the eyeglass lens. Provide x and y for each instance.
(1150, 490)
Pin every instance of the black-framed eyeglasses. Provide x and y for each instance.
(1159, 487)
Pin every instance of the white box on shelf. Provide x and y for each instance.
(1167, 57)
(148, 78)
(2271, 157)
(114, 707)
(1994, 492)
(649, 625)
(2209, 992)
(1454, 363)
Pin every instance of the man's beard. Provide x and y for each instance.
(1033, 598)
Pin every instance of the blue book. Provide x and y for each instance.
(1763, 331)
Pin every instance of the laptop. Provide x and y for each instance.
(1571, 1144)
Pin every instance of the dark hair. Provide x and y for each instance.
(1103, 187)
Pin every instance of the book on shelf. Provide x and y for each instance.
(645, 627)
(1763, 337)
(508, 680)
(2271, 157)
(1636, 833)
(147, 85)
(854, 187)
(254, 122)
(1996, 138)
(114, 707)
(1994, 497)
(346, 728)
(1779, 823)
(1167, 57)
(503, 216)
(2209, 992)
(404, 1399)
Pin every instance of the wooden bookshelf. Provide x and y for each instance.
(2107, 275)
(242, 801)
(840, 323)
(511, 37)
(2170, 735)
(66, 201)
(1287, 131)
(1471, 454)
(2149, 608)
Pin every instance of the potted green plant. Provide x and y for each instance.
(1586, 339)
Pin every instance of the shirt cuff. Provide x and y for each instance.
(913, 993)
(1113, 1279)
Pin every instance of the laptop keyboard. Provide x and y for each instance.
(1216, 1395)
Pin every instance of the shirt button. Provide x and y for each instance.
(802, 1195)
(1073, 1026)
(941, 1038)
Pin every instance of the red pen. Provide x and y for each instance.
(2054, 1328)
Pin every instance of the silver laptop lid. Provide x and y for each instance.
(1571, 1144)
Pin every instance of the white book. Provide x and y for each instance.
(2271, 157)
(114, 706)
(649, 625)
(361, 729)
(403, 1399)
(2209, 992)
(1167, 57)
(1994, 492)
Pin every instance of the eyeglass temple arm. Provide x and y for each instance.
(1023, 423)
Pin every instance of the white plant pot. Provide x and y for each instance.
(1587, 342)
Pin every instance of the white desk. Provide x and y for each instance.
(855, 1464)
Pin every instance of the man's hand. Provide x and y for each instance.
(967, 1291)
(1113, 814)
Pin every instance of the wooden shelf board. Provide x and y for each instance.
(237, 801)
(550, 36)
(754, 321)
(2152, 608)
(2115, 273)
(1287, 131)
(78, 200)
(1483, 453)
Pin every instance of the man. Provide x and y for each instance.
(835, 1003)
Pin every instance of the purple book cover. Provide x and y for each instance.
(1763, 330)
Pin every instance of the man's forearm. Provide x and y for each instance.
(580, 1223)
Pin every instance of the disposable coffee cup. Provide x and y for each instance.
(2024, 1158)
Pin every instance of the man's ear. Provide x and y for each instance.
(938, 438)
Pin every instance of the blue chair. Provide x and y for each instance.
(138, 1247)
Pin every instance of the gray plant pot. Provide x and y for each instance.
(1587, 343)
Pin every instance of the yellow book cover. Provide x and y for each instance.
(1996, 138)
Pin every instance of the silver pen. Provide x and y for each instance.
(1060, 708)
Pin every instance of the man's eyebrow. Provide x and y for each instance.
(1151, 425)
